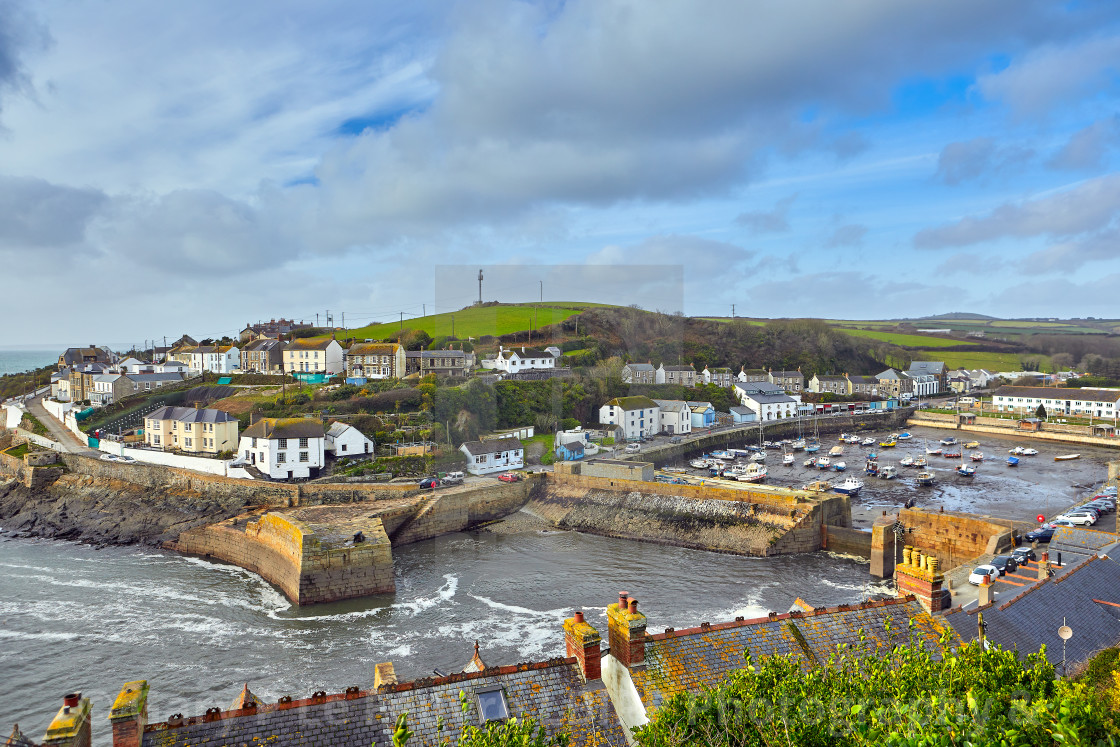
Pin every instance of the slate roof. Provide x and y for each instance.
(142, 377)
(307, 343)
(1083, 598)
(1080, 540)
(264, 344)
(927, 367)
(679, 368)
(633, 403)
(700, 657)
(373, 348)
(552, 692)
(766, 399)
(741, 410)
(672, 404)
(574, 447)
(890, 373)
(640, 366)
(787, 374)
(759, 387)
(493, 446)
(1048, 392)
(526, 353)
(273, 428)
(190, 414)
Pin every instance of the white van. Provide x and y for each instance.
(967, 400)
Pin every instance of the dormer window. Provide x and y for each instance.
(492, 705)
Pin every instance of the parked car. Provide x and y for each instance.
(126, 459)
(1105, 505)
(977, 576)
(1061, 521)
(1084, 519)
(509, 477)
(1023, 555)
(452, 479)
(108, 457)
(675, 439)
(1042, 534)
(429, 483)
(633, 448)
(1006, 564)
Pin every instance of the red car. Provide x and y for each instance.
(509, 477)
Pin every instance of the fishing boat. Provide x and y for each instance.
(933, 452)
(893, 437)
(852, 439)
(867, 442)
(871, 467)
(977, 457)
(742, 452)
(925, 477)
(905, 436)
(836, 451)
(1030, 452)
(787, 459)
(1012, 461)
(888, 472)
(823, 462)
(812, 448)
(1018, 451)
(888, 443)
(1066, 457)
(839, 466)
(848, 486)
(752, 473)
(948, 441)
(920, 462)
(966, 470)
(700, 463)
(810, 462)
(721, 454)
(972, 445)
(798, 445)
(906, 461)
(758, 456)
(952, 453)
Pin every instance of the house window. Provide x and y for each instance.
(282, 443)
(492, 705)
(342, 447)
(281, 458)
(303, 443)
(303, 456)
(187, 441)
(155, 440)
(254, 443)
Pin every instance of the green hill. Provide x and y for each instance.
(476, 321)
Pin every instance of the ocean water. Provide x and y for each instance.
(75, 618)
(18, 361)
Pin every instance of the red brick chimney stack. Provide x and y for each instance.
(583, 642)
(129, 715)
(626, 629)
(71, 726)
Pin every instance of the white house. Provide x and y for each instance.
(769, 406)
(496, 455)
(675, 416)
(222, 359)
(639, 417)
(979, 377)
(1099, 403)
(312, 356)
(925, 384)
(130, 365)
(346, 440)
(284, 448)
(523, 359)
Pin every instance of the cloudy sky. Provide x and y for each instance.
(193, 166)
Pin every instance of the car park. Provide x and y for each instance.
(1023, 555)
(977, 576)
(1042, 534)
(1006, 564)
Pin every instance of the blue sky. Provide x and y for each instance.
(196, 167)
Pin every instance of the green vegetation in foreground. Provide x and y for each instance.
(910, 341)
(31, 423)
(902, 696)
(18, 451)
(477, 321)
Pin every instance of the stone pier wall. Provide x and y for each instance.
(847, 541)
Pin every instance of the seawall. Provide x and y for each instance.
(761, 521)
(1053, 432)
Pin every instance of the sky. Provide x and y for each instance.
(191, 167)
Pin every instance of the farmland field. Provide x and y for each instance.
(476, 322)
(897, 338)
(990, 361)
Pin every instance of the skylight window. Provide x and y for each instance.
(492, 704)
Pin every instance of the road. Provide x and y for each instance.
(59, 433)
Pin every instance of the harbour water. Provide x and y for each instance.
(18, 361)
(73, 617)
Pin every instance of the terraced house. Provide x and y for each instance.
(790, 381)
(830, 384)
(314, 356)
(284, 448)
(639, 417)
(1100, 403)
(639, 373)
(683, 375)
(263, 355)
(190, 430)
(375, 360)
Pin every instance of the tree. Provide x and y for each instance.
(1040, 413)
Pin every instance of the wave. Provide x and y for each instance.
(519, 610)
(445, 593)
(25, 636)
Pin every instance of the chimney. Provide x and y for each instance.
(129, 715)
(384, 674)
(1044, 566)
(986, 591)
(582, 641)
(626, 629)
(71, 726)
(921, 576)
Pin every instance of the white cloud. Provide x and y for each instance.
(1089, 206)
(979, 158)
(1086, 148)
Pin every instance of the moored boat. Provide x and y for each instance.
(752, 473)
(758, 456)
(836, 451)
(1030, 452)
(787, 459)
(906, 461)
(888, 443)
(848, 486)
(925, 478)
(810, 462)
(1018, 451)
(812, 448)
(972, 445)
(867, 442)
(920, 462)
(798, 445)
(905, 436)
(1012, 461)
(952, 453)
(933, 452)
(977, 457)
(1066, 457)
(888, 472)
(948, 441)
(700, 463)
(966, 470)
(823, 462)
(839, 466)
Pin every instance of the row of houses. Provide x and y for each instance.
(104, 383)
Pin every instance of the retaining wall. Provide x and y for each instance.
(954, 538)
(847, 541)
(1072, 434)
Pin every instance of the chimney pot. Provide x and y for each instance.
(623, 596)
(70, 700)
(579, 617)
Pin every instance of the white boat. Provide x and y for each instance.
(949, 441)
(906, 461)
(1030, 452)
(799, 444)
(812, 448)
(852, 440)
(867, 442)
(787, 459)
(839, 466)
(823, 462)
(889, 472)
(977, 456)
(721, 454)
(1018, 451)
(849, 486)
(752, 473)
(699, 463)
(1066, 457)
(810, 462)
(933, 452)
(758, 456)
(925, 478)
(905, 436)
(966, 470)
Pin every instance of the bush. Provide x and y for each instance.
(548, 458)
(568, 424)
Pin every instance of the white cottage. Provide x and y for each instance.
(344, 440)
(284, 448)
(639, 417)
(497, 455)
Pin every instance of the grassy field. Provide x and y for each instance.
(913, 341)
(476, 322)
(990, 361)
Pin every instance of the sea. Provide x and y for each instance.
(18, 361)
(77, 618)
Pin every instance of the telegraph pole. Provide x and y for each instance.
(732, 311)
(480, 286)
(542, 291)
